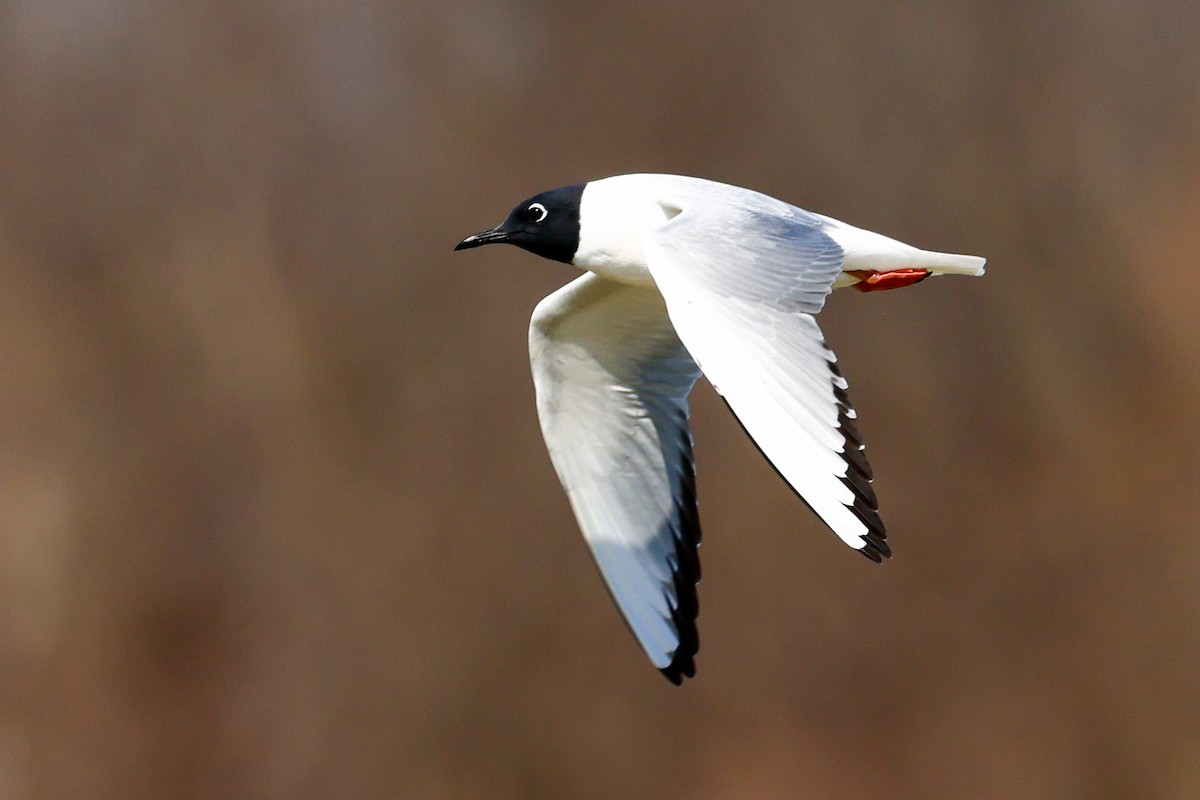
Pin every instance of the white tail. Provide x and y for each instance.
(950, 264)
(865, 250)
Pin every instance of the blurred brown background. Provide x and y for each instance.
(277, 520)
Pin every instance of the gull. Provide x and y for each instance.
(686, 277)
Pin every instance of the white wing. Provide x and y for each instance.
(741, 284)
(612, 381)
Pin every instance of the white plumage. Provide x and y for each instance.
(687, 276)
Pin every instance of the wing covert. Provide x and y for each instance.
(743, 244)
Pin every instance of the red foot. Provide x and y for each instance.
(872, 281)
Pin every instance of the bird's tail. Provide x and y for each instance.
(949, 263)
(868, 251)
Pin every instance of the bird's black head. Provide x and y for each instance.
(546, 224)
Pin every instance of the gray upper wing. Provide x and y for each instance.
(739, 243)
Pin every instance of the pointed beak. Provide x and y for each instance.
(483, 237)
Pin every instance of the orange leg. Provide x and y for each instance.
(872, 281)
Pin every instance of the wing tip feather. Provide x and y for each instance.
(679, 668)
(874, 541)
(687, 571)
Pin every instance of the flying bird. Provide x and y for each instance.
(684, 277)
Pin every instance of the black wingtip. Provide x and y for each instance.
(858, 480)
(875, 546)
(680, 668)
(687, 572)
(876, 550)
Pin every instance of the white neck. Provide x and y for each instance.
(615, 217)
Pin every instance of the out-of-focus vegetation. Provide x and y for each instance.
(277, 518)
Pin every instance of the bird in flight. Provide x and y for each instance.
(684, 277)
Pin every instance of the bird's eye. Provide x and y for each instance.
(536, 213)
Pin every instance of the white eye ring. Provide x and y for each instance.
(537, 213)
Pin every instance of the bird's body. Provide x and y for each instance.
(688, 277)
